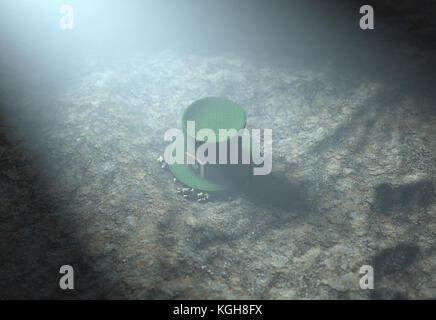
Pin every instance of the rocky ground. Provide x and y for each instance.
(352, 184)
(353, 180)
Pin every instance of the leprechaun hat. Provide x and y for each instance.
(212, 113)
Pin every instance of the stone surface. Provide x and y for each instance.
(353, 180)
(352, 184)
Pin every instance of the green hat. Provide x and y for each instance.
(208, 113)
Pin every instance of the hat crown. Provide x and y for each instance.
(214, 113)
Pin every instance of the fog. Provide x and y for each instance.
(83, 113)
(30, 31)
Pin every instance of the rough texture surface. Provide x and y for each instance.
(352, 184)
(354, 162)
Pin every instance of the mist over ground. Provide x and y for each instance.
(82, 118)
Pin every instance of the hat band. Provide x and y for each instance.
(219, 173)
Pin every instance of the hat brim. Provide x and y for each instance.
(193, 180)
